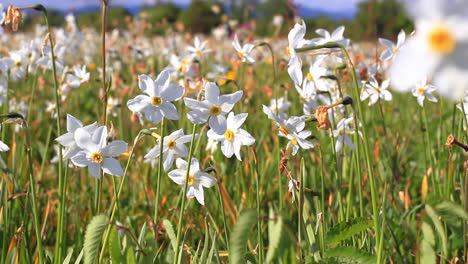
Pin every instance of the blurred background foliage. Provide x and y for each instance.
(373, 19)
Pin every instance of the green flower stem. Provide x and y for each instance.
(184, 197)
(322, 204)
(226, 232)
(275, 88)
(374, 194)
(383, 118)
(158, 180)
(103, 56)
(465, 223)
(59, 246)
(256, 176)
(116, 198)
(32, 186)
(427, 144)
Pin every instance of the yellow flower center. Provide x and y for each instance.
(18, 64)
(215, 110)
(421, 90)
(156, 100)
(310, 77)
(441, 40)
(171, 144)
(288, 52)
(191, 180)
(240, 54)
(229, 135)
(294, 141)
(96, 157)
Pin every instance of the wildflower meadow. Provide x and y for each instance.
(303, 146)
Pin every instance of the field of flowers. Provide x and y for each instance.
(123, 148)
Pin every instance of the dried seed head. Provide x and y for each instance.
(450, 141)
(321, 114)
(13, 17)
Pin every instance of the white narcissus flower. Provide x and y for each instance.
(295, 40)
(46, 59)
(78, 77)
(374, 91)
(233, 136)
(335, 36)
(197, 179)
(342, 131)
(279, 106)
(3, 146)
(313, 81)
(214, 107)
(68, 139)
(96, 154)
(299, 140)
(173, 147)
(243, 51)
(198, 49)
(424, 90)
(392, 48)
(156, 103)
(437, 49)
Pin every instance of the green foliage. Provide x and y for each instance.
(159, 17)
(264, 12)
(275, 234)
(115, 249)
(116, 17)
(93, 237)
(170, 233)
(438, 227)
(427, 253)
(380, 19)
(240, 235)
(159, 13)
(199, 17)
(347, 255)
(345, 230)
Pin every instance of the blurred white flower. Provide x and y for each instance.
(438, 48)
(198, 49)
(424, 90)
(374, 91)
(344, 128)
(243, 51)
(392, 48)
(335, 36)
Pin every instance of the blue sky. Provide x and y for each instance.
(327, 5)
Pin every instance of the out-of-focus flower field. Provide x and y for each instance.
(306, 146)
